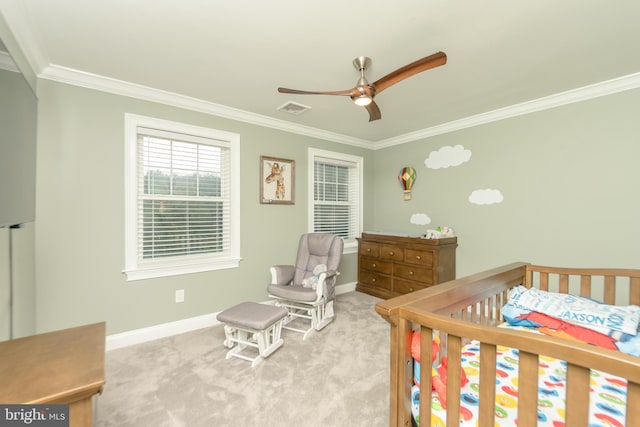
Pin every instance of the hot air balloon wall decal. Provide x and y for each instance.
(407, 177)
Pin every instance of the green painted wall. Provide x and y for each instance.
(569, 177)
(80, 216)
(18, 112)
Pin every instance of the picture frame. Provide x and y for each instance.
(277, 181)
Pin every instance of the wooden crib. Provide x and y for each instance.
(470, 308)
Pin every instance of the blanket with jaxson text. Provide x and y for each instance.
(578, 310)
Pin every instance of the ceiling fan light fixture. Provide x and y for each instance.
(364, 92)
(362, 100)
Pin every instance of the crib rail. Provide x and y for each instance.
(469, 308)
(611, 286)
(580, 358)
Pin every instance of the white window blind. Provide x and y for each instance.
(337, 190)
(181, 205)
(184, 196)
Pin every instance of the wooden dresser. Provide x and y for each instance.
(389, 265)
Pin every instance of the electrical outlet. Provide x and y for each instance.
(180, 295)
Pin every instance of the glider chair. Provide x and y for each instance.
(307, 289)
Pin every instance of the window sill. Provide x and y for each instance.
(175, 270)
(350, 247)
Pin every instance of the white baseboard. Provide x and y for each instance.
(344, 288)
(139, 336)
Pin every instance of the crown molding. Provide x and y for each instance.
(119, 87)
(105, 84)
(16, 32)
(38, 61)
(6, 63)
(609, 87)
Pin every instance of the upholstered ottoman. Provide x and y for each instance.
(250, 324)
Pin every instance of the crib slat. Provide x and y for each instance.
(527, 389)
(426, 356)
(503, 299)
(544, 281)
(633, 408)
(585, 286)
(563, 283)
(454, 350)
(487, 393)
(401, 372)
(634, 292)
(493, 306)
(577, 398)
(485, 306)
(610, 290)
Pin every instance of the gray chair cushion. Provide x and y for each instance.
(295, 293)
(252, 315)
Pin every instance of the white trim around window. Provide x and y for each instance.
(197, 173)
(335, 202)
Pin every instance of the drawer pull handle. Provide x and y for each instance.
(410, 289)
(368, 249)
(418, 257)
(374, 265)
(411, 273)
(373, 280)
(391, 253)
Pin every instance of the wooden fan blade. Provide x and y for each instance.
(374, 111)
(426, 63)
(305, 92)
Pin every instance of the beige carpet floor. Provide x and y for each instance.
(337, 377)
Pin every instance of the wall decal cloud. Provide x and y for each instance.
(486, 196)
(420, 219)
(447, 156)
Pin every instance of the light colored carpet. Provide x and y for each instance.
(338, 377)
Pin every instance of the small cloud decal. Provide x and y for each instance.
(447, 156)
(486, 196)
(420, 219)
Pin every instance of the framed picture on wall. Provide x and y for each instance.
(277, 181)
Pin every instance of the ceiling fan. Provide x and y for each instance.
(364, 92)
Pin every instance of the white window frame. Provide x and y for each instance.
(351, 244)
(135, 269)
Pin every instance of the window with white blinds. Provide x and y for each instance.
(336, 194)
(180, 210)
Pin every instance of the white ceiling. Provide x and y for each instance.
(230, 56)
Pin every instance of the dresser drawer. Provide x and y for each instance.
(390, 265)
(412, 272)
(375, 279)
(375, 291)
(404, 287)
(375, 264)
(393, 253)
(419, 257)
(369, 249)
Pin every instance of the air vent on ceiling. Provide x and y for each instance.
(293, 108)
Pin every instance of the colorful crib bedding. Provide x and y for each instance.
(607, 403)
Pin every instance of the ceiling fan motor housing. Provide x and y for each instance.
(363, 89)
(361, 63)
